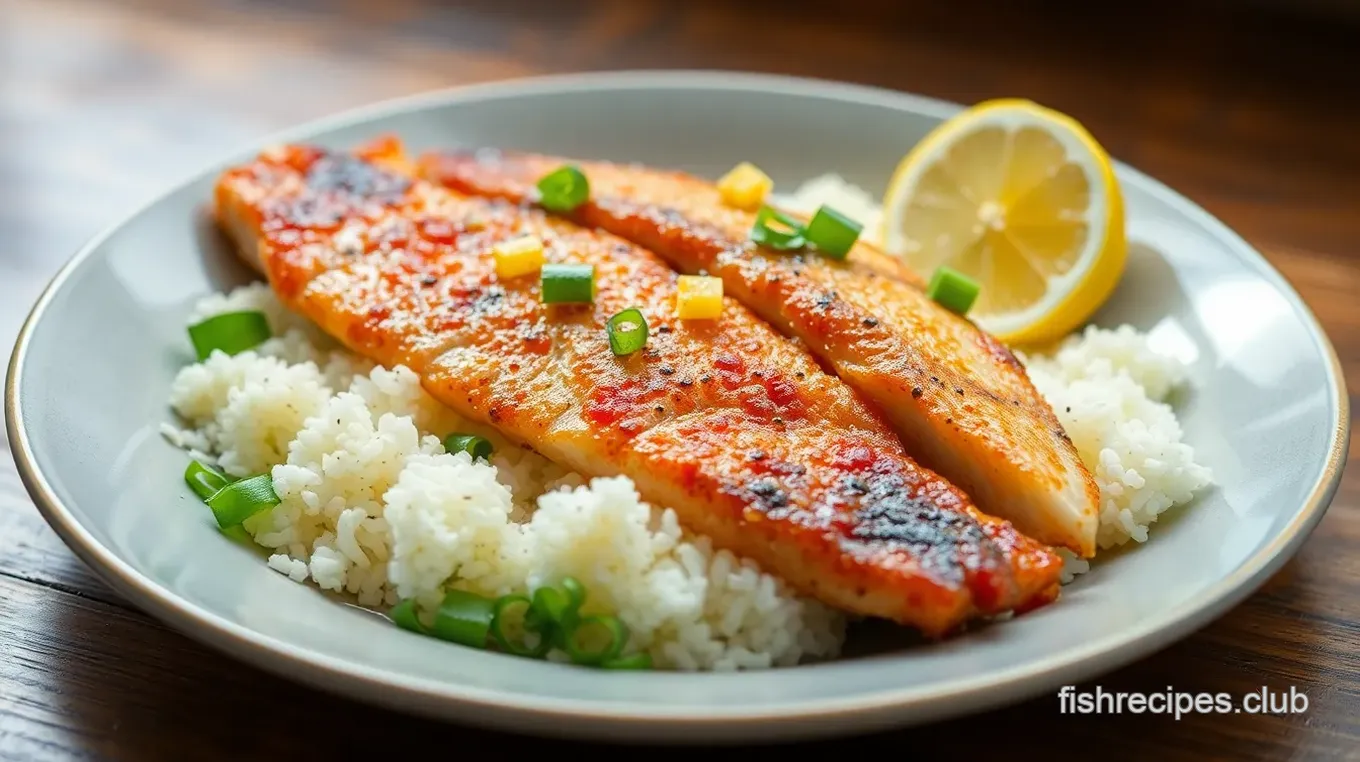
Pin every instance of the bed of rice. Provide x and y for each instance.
(372, 505)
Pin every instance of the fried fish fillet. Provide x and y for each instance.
(725, 421)
(960, 400)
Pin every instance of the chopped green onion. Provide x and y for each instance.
(519, 639)
(953, 290)
(636, 661)
(627, 332)
(526, 626)
(204, 480)
(240, 500)
(576, 592)
(568, 283)
(558, 606)
(536, 621)
(787, 237)
(405, 616)
(563, 189)
(583, 642)
(464, 618)
(231, 332)
(477, 447)
(550, 606)
(832, 233)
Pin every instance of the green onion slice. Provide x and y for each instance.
(231, 332)
(557, 607)
(595, 640)
(568, 283)
(635, 661)
(464, 618)
(405, 616)
(550, 606)
(205, 481)
(563, 189)
(477, 447)
(627, 332)
(240, 500)
(832, 233)
(787, 236)
(511, 630)
(953, 290)
(576, 592)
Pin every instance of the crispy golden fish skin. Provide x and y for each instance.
(960, 400)
(725, 421)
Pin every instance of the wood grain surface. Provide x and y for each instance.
(1252, 113)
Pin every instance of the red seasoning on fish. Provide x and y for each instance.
(958, 398)
(736, 428)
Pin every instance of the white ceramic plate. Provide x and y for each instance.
(88, 384)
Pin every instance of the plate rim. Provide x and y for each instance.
(822, 717)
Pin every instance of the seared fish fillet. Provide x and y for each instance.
(961, 402)
(730, 424)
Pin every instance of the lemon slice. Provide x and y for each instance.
(1024, 201)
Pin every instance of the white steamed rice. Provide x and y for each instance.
(1108, 388)
(372, 505)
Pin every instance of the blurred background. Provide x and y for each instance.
(1248, 107)
(103, 102)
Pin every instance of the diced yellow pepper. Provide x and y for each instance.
(698, 297)
(745, 186)
(520, 256)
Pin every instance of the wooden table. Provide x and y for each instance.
(104, 103)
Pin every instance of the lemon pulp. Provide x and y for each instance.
(1021, 199)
